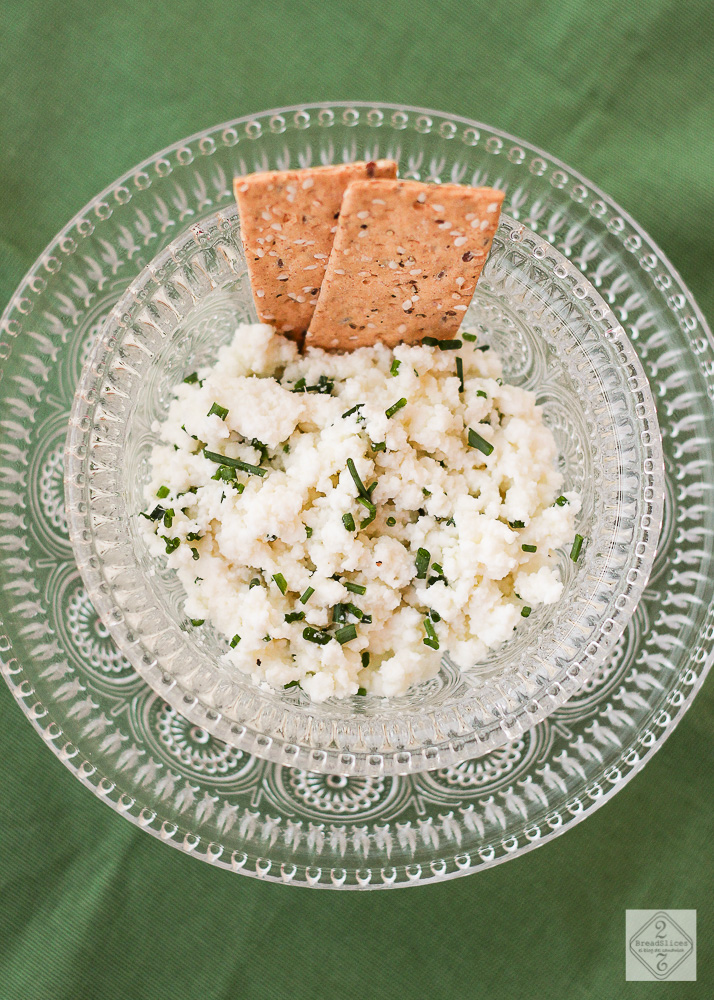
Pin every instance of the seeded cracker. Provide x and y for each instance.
(404, 264)
(288, 220)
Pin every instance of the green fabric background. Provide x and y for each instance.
(623, 90)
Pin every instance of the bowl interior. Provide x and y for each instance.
(555, 336)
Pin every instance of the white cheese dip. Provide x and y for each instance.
(355, 576)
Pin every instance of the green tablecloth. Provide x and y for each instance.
(624, 92)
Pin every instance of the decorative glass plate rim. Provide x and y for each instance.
(199, 845)
(498, 728)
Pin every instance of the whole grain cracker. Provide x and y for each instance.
(404, 263)
(288, 220)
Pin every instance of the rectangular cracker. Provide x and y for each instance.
(288, 220)
(404, 263)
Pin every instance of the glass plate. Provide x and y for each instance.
(219, 803)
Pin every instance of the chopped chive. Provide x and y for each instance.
(156, 514)
(460, 373)
(356, 479)
(499, 381)
(429, 341)
(484, 348)
(316, 635)
(267, 638)
(394, 368)
(561, 501)
(366, 503)
(476, 441)
(378, 445)
(219, 411)
(163, 491)
(400, 403)
(423, 558)
(339, 613)
(354, 610)
(365, 660)
(308, 530)
(168, 517)
(577, 546)
(354, 588)
(471, 337)
(346, 634)
(255, 582)
(299, 385)
(195, 554)
(193, 536)
(391, 521)
(361, 692)
(480, 392)
(286, 447)
(432, 638)
(225, 473)
(291, 684)
(449, 345)
(190, 379)
(425, 491)
(171, 544)
(348, 413)
(295, 616)
(434, 615)
(234, 641)
(525, 611)
(437, 568)
(281, 582)
(307, 595)
(239, 487)
(368, 520)
(235, 463)
(372, 487)
(349, 521)
(529, 548)
(516, 524)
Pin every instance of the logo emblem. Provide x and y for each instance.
(661, 944)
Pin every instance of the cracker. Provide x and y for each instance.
(404, 264)
(288, 220)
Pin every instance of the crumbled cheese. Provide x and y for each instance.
(442, 495)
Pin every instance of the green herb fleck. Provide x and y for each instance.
(378, 445)
(432, 638)
(316, 635)
(348, 413)
(234, 641)
(339, 613)
(577, 546)
(437, 568)
(168, 517)
(434, 615)
(193, 377)
(163, 491)
(299, 385)
(281, 582)
(235, 463)
(255, 582)
(346, 634)
(480, 392)
(356, 479)
(308, 531)
(171, 543)
(561, 501)
(295, 616)
(476, 441)
(291, 684)
(193, 536)
(194, 554)
(349, 521)
(354, 588)
(529, 548)
(197, 621)
(460, 373)
(449, 345)
(429, 341)
(361, 692)
(400, 404)
(471, 337)
(525, 611)
(307, 595)
(218, 411)
(365, 660)
(425, 491)
(516, 524)
(394, 368)
(391, 521)
(423, 558)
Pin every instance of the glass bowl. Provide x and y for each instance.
(555, 335)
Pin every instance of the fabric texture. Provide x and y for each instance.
(622, 91)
